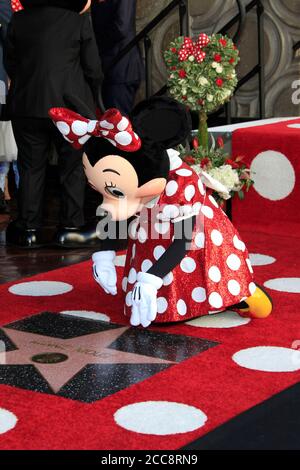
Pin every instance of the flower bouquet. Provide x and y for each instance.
(225, 175)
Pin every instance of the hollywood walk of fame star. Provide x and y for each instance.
(69, 355)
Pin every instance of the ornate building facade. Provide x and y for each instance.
(282, 31)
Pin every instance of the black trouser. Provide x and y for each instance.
(34, 137)
(119, 95)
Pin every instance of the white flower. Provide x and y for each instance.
(184, 91)
(215, 65)
(191, 58)
(219, 69)
(227, 91)
(227, 176)
(210, 98)
(203, 81)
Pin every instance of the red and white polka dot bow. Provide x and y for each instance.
(112, 126)
(16, 5)
(190, 48)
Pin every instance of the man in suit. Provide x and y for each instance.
(5, 15)
(114, 26)
(50, 52)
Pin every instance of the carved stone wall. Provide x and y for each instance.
(282, 30)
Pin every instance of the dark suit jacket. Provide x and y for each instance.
(114, 26)
(50, 52)
(5, 15)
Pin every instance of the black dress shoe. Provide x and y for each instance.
(23, 238)
(72, 237)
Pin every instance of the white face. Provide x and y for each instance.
(116, 179)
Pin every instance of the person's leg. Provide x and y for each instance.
(33, 141)
(6, 192)
(120, 96)
(16, 173)
(72, 180)
(4, 169)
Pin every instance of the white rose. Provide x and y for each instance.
(191, 58)
(209, 98)
(227, 176)
(219, 69)
(215, 65)
(203, 81)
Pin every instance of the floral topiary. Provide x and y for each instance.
(202, 74)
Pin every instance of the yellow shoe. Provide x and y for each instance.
(260, 304)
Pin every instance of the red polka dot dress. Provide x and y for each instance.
(215, 273)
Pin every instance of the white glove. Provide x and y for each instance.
(104, 271)
(144, 299)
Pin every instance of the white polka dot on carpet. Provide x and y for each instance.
(261, 260)
(89, 315)
(268, 359)
(160, 418)
(8, 421)
(228, 319)
(40, 288)
(290, 285)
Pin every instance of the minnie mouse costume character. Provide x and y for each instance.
(185, 259)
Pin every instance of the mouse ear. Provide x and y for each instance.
(162, 120)
(75, 104)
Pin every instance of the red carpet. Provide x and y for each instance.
(272, 151)
(209, 381)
